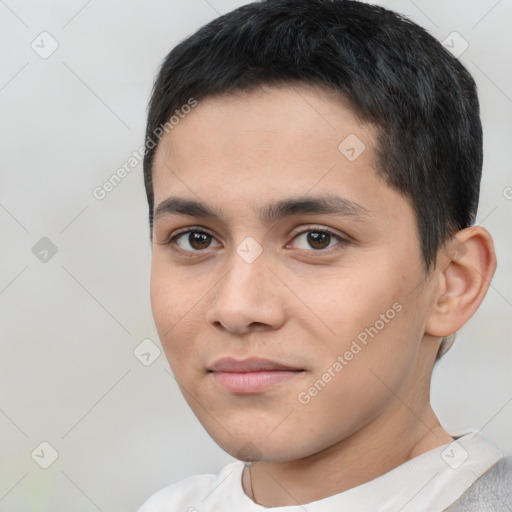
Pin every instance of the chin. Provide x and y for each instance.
(255, 449)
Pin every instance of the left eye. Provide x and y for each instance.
(317, 240)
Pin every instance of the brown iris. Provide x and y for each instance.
(199, 240)
(318, 240)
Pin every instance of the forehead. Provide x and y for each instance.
(272, 129)
(241, 151)
(252, 119)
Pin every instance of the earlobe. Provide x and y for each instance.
(466, 266)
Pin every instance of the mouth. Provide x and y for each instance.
(253, 375)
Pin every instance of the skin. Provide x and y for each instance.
(299, 304)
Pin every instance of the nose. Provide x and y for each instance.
(249, 297)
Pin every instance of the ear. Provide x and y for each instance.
(465, 267)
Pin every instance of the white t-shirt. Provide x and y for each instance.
(427, 483)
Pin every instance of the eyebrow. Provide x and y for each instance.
(325, 204)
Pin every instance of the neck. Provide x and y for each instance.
(367, 454)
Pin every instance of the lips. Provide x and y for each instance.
(252, 375)
(252, 364)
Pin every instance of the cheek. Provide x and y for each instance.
(364, 318)
(173, 291)
(175, 305)
(350, 302)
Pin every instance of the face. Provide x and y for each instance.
(299, 253)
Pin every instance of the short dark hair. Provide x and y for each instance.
(393, 73)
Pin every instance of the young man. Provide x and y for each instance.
(313, 177)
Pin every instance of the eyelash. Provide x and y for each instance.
(341, 240)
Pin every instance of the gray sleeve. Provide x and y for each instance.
(492, 492)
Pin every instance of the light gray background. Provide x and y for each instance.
(68, 375)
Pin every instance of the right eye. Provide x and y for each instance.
(192, 240)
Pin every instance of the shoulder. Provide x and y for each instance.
(186, 495)
(492, 491)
